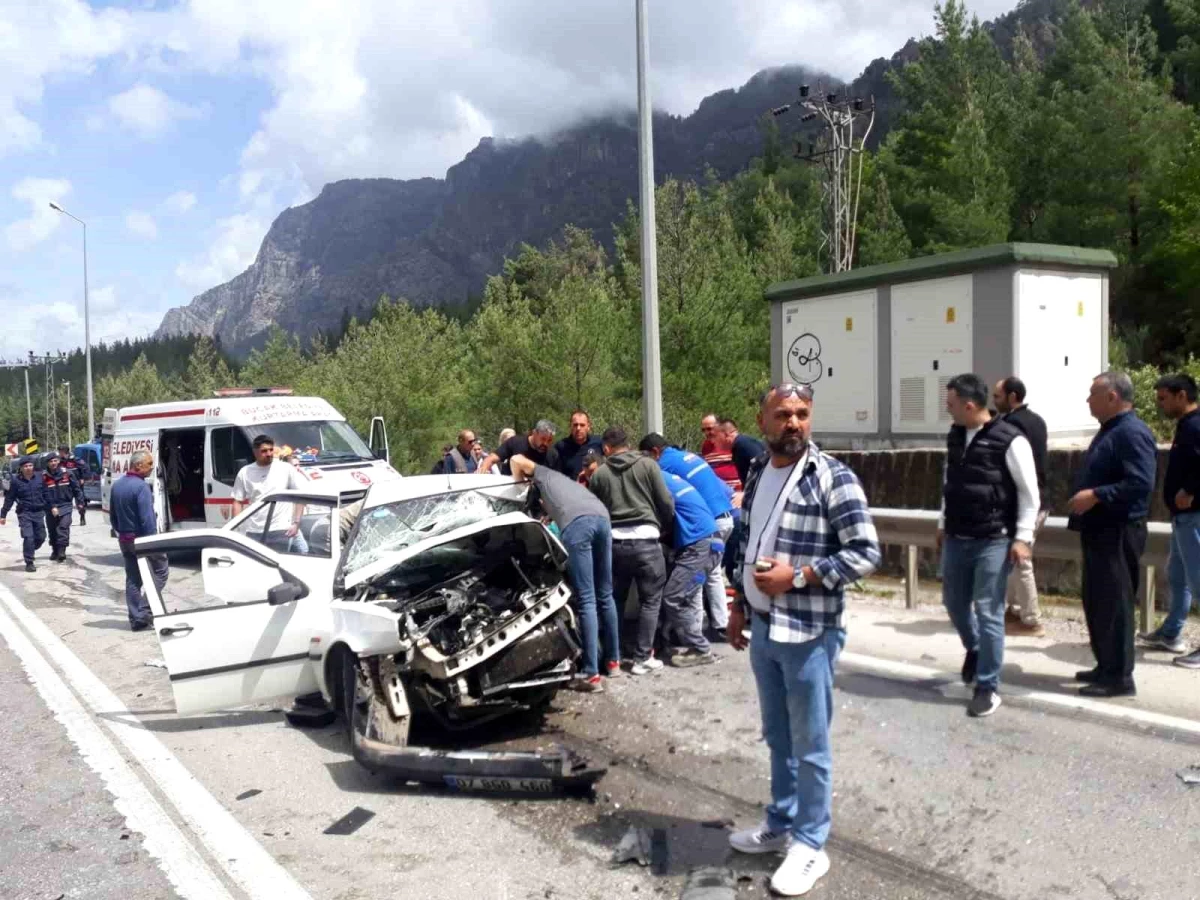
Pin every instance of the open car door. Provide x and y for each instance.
(226, 649)
(378, 442)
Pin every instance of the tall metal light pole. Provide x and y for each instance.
(28, 405)
(87, 322)
(652, 413)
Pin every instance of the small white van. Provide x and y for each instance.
(199, 446)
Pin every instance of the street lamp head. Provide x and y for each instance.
(54, 206)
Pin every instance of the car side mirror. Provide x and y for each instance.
(288, 592)
(381, 453)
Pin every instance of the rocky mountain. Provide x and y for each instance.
(435, 241)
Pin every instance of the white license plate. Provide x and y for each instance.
(501, 785)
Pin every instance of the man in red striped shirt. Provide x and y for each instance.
(717, 456)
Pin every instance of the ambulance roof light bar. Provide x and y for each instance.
(254, 392)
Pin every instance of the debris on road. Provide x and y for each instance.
(246, 795)
(709, 883)
(1190, 776)
(635, 845)
(157, 663)
(351, 821)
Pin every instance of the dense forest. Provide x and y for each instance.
(1080, 128)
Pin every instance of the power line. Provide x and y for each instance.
(841, 188)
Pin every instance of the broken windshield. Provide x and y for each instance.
(397, 526)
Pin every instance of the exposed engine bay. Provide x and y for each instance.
(485, 625)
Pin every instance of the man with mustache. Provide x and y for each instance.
(807, 535)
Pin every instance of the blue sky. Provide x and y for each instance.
(179, 130)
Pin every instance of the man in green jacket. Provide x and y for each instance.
(642, 511)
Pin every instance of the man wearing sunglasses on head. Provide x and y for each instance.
(807, 534)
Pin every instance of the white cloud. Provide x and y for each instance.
(102, 299)
(42, 220)
(179, 202)
(141, 224)
(148, 112)
(235, 240)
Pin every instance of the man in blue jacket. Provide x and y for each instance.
(1109, 509)
(131, 509)
(26, 492)
(697, 550)
(719, 497)
(63, 493)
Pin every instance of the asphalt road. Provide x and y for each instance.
(1032, 803)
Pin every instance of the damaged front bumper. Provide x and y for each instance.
(507, 772)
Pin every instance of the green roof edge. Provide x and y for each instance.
(943, 264)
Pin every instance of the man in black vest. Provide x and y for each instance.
(1022, 618)
(989, 508)
(461, 458)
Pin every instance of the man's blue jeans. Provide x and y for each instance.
(795, 696)
(135, 597)
(1183, 571)
(974, 583)
(589, 560)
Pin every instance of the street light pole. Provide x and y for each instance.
(87, 322)
(652, 413)
(28, 405)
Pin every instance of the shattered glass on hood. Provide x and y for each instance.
(397, 526)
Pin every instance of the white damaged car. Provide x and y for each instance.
(437, 594)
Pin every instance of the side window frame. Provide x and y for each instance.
(222, 445)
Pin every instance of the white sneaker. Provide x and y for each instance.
(646, 666)
(800, 870)
(759, 839)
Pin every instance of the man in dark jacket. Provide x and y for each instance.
(131, 509)
(642, 510)
(27, 493)
(1109, 509)
(63, 493)
(461, 458)
(1176, 395)
(575, 446)
(990, 503)
(67, 460)
(1021, 616)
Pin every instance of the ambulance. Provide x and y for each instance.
(199, 446)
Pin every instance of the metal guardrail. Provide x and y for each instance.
(916, 528)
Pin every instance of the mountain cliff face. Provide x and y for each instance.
(435, 241)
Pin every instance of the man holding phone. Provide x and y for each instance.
(807, 534)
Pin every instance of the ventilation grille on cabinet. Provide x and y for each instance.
(943, 414)
(912, 399)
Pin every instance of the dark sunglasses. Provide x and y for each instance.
(787, 389)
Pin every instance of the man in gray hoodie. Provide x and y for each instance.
(642, 511)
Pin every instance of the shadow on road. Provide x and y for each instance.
(874, 687)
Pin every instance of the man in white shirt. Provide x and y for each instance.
(265, 476)
(989, 513)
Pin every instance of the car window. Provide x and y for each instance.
(231, 452)
(293, 529)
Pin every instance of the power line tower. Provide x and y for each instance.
(847, 124)
(51, 393)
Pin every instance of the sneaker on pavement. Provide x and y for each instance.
(1021, 629)
(612, 668)
(970, 664)
(587, 684)
(645, 666)
(984, 703)
(690, 657)
(30, 567)
(1190, 660)
(1156, 640)
(759, 839)
(800, 870)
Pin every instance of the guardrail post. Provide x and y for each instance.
(1148, 590)
(910, 576)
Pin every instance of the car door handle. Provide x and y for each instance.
(181, 628)
(220, 561)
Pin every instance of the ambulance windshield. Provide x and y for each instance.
(314, 442)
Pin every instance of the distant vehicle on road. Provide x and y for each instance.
(88, 457)
(199, 446)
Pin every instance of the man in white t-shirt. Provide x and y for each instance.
(264, 476)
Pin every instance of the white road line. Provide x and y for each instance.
(187, 871)
(237, 851)
(909, 672)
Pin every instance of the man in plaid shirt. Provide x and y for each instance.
(807, 533)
